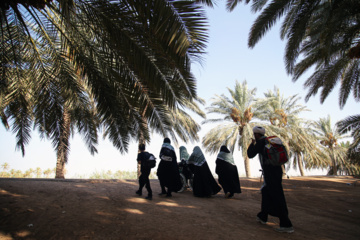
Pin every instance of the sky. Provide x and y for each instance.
(228, 60)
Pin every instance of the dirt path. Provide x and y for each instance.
(320, 208)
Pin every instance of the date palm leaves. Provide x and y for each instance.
(320, 35)
(352, 124)
(121, 65)
(234, 115)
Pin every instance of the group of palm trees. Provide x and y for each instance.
(310, 144)
(123, 68)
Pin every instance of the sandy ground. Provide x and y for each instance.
(320, 208)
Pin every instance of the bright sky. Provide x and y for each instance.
(228, 60)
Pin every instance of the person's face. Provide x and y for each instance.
(257, 136)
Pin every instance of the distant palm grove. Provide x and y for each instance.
(122, 69)
(37, 172)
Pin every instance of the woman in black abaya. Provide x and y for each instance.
(168, 170)
(204, 184)
(227, 172)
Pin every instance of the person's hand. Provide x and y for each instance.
(253, 141)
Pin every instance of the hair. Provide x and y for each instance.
(141, 147)
(167, 140)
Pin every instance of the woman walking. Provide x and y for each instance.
(204, 184)
(227, 172)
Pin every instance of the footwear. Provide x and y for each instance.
(260, 221)
(148, 197)
(162, 193)
(168, 195)
(227, 195)
(285, 229)
(138, 192)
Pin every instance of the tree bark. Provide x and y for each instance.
(60, 165)
(333, 161)
(300, 164)
(63, 146)
(247, 167)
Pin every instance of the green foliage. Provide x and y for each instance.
(329, 137)
(310, 144)
(352, 124)
(118, 175)
(324, 35)
(30, 173)
(234, 116)
(50, 173)
(75, 66)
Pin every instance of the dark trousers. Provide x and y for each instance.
(144, 181)
(273, 199)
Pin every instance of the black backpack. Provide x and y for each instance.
(151, 161)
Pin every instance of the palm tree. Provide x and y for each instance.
(5, 166)
(235, 128)
(350, 167)
(38, 172)
(352, 124)
(326, 35)
(277, 109)
(185, 127)
(283, 115)
(329, 137)
(47, 172)
(128, 61)
(304, 147)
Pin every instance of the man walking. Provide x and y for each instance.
(272, 194)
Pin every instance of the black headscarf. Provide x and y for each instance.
(224, 149)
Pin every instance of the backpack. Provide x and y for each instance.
(151, 161)
(276, 151)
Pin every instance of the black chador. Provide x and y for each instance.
(168, 170)
(227, 172)
(204, 184)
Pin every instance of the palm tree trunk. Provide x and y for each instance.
(59, 166)
(334, 167)
(300, 164)
(247, 167)
(333, 162)
(63, 146)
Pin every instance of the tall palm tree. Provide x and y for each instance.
(283, 115)
(133, 57)
(279, 110)
(326, 35)
(235, 128)
(329, 137)
(304, 147)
